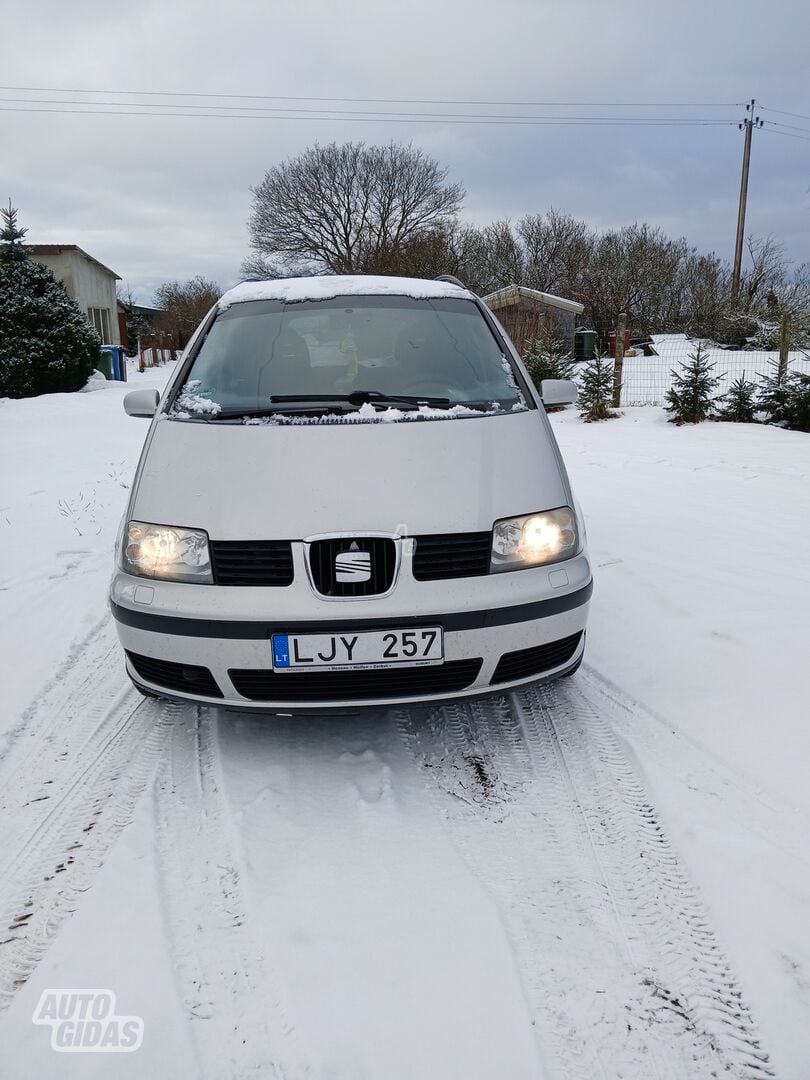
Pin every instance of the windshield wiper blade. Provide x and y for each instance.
(268, 410)
(360, 397)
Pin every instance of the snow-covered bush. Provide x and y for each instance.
(596, 390)
(46, 343)
(689, 400)
(739, 403)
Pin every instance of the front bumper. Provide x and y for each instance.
(227, 632)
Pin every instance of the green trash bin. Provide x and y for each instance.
(105, 364)
(584, 344)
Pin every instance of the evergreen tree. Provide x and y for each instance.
(739, 402)
(798, 406)
(690, 398)
(11, 236)
(596, 390)
(774, 394)
(46, 343)
(548, 358)
(785, 399)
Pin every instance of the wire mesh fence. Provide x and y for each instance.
(647, 369)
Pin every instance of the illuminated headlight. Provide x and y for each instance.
(534, 540)
(164, 551)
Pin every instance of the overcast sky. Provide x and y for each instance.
(162, 197)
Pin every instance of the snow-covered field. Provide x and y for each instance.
(604, 878)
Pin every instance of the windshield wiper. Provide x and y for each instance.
(360, 397)
(269, 410)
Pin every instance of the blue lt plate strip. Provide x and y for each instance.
(281, 650)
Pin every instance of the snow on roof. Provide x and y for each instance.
(325, 287)
(58, 249)
(512, 293)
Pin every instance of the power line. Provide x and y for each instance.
(381, 101)
(395, 119)
(409, 114)
(782, 112)
(787, 134)
(776, 124)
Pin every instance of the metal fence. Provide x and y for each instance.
(646, 379)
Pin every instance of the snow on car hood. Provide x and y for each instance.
(245, 482)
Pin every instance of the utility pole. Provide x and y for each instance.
(747, 126)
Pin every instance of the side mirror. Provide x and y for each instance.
(141, 402)
(558, 391)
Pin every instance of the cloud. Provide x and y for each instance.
(158, 197)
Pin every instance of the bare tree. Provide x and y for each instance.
(344, 208)
(556, 248)
(184, 305)
(767, 273)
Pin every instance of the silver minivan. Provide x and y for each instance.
(349, 495)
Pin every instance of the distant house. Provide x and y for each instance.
(87, 281)
(525, 312)
(142, 318)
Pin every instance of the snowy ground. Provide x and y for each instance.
(605, 878)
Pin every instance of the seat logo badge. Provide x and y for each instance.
(353, 565)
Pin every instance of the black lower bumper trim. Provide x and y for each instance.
(184, 678)
(262, 684)
(535, 661)
(256, 630)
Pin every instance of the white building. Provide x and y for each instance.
(87, 281)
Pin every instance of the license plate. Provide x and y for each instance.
(353, 651)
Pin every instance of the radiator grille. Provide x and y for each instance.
(451, 555)
(382, 561)
(252, 562)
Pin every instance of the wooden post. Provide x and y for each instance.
(785, 335)
(619, 362)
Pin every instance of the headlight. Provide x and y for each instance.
(164, 551)
(534, 540)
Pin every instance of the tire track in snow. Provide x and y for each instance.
(662, 916)
(93, 672)
(735, 794)
(620, 967)
(520, 833)
(232, 994)
(70, 780)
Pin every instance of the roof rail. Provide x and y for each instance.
(450, 279)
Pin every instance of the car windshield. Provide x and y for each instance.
(348, 354)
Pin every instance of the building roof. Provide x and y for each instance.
(513, 293)
(57, 249)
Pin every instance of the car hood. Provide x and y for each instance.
(249, 482)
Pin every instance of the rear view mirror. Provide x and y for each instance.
(558, 391)
(141, 402)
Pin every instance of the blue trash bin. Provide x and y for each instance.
(116, 368)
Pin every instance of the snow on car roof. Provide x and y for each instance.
(325, 287)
